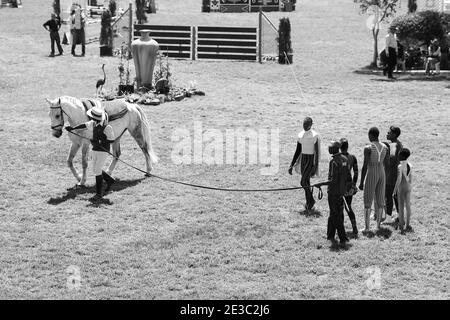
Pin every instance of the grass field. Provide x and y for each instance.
(155, 240)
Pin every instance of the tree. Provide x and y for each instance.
(381, 11)
(112, 7)
(57, 7)
(412, 6)
(140, 11)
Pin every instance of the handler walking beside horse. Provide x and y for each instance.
(101, 135)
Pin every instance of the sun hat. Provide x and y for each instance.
(97, 114)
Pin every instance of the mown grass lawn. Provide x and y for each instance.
(156, 240)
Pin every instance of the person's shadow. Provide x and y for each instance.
(76, 191)
(312, 213)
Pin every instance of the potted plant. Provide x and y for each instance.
(162, 74)
(106, 34)
(125, 85)
(285, 52)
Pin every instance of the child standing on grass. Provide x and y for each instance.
(403, 190)
(352, 165)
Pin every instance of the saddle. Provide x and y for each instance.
(114, 109)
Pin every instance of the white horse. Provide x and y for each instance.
(122, 116)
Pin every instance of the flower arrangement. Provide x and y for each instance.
(162, 74)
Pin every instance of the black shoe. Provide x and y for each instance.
(99, 186)
(51, 55)
(109, 180)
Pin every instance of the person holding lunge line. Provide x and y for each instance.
(101, 135)
(306, 159)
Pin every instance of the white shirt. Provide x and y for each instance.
(308, 139)
(108, 131)
(391, 41)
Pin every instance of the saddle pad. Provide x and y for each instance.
(115, 109)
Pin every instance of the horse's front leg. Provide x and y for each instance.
(84, 162)
(116, 152)
(73, 151)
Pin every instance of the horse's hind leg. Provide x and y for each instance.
(73, 151)
(84, 162)
(137, 135)
(116, 152)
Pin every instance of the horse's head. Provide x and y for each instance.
(56, 117)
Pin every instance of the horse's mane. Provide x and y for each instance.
(71, 100)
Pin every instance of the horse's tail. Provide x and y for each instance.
(145, 127)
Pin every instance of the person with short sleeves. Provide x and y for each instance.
(306, 159)
(101, 135)
(52, 26)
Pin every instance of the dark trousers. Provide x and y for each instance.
(54, 37)
(307, 165)
(79, 37)
(389, 201)
(351, 214)
(336, 218)
(391, 62)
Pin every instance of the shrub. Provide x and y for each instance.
(112, 7)
(284, 41)
(106, 33)
(421, 27)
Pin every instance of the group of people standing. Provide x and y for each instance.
(394, 55)
(77, 26)
(385, 179)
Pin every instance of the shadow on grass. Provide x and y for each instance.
(407, 78)
(75, 191)
(384, 232)
(310, 213)
(336, 246)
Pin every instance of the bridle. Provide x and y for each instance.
(62, 116)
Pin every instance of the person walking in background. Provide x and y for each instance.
(394, 148)
(52, 26)
(401, 59)
(339, 181)
(348, 197)
(77, 23)
(306, 159)
(391, 53)
(434, 58)
(403, 189)
(375, 160)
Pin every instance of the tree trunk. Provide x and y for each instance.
(375, 46)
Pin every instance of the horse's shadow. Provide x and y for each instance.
(76, 191)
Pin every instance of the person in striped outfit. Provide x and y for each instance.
(306, 159)
(373, 177)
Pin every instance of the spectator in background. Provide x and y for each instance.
(52, 26)
(77, 23)
(434, 57)
(401, 61)
(391, 52)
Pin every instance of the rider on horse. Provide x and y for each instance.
(101, 135)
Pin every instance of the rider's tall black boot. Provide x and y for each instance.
(99, 186)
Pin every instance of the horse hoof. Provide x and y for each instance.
(81, 184)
